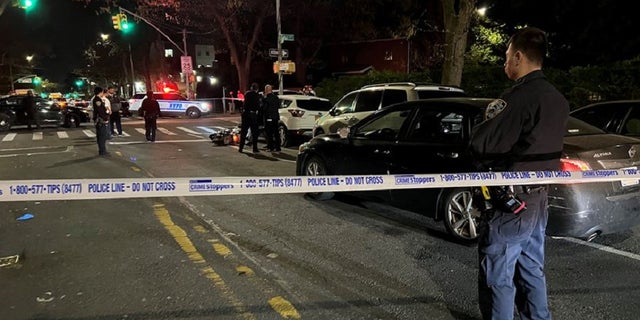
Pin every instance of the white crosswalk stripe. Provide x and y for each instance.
(165, 131)
(9, 137)
(188, 130)
(193, 132)
(89, 133)
(207, 129)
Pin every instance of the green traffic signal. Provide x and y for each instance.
(79, 83)
(125, 26)
(37, 81)
(28, 5)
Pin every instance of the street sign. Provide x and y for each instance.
(286, 37)
(273, 53)
(287, 67)
(187, 67)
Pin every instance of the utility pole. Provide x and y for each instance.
(133, 77)
(280, 85)
(184, 53)
(184, 39)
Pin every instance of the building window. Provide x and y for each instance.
(388, 55)
(168, 53)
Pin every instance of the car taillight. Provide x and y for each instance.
(573, 165)
(296, 112)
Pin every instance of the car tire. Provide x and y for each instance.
(283, 134)
(314, 166)
(460, 216)
(193, 113)
(318, 132)
(71, 121)
(5, 122)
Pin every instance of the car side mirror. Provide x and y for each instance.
(344, 132)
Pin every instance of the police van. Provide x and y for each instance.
(172, 104)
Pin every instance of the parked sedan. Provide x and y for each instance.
(12, 113)
(621, 116)
(431, 136)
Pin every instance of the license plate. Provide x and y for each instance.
(629, 182)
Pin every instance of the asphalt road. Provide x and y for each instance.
(251, 256)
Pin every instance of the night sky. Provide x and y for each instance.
(56, 32)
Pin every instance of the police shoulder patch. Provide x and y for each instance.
(494, 108)
(98, 103)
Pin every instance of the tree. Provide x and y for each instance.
(457, 16)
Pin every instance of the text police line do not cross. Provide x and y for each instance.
(83, 189)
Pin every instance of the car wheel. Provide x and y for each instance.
(318, 132)
(461, 217)
(193, 113)
(71, 121)
(314, 166)
(5, 122)
(283, 134)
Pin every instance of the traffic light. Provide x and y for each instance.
(37, 81)
(125, 26)
(116, 21)
(28, 5)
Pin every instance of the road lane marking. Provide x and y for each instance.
(603, 248)
(140, 130)
(221, 249)
(37, 135)
(125, 134)
(69, 148)
(157, 141)
(284, 308)
(188, 130)
(62, 134)
(89, 133)
(207, 129)
(9, 137)
(166, 131)
(181, 237)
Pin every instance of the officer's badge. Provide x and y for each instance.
(98, 103)
(495, 107)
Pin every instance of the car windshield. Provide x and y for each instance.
(314, 105)
(577, 127)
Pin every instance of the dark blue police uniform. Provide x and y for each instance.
(525, 133)
(101, 121)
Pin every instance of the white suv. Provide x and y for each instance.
(360, 103)
(298, 114)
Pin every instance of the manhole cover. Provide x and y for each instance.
(9, 261)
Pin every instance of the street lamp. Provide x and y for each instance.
(29, 58)
(104, 36)
(482, 11)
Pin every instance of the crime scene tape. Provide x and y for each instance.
(113, 188)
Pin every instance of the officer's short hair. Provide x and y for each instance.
(97, 90)
(532, 42)
(254, 86)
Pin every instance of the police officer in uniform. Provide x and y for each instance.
(524, 130)
(250, 118)
(270, 105)
(150, 111)
(101, 120)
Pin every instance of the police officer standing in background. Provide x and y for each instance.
(525, 128)
(249, 120)
(115, 121)
(270, 105)
(150, 111)
(101, 120)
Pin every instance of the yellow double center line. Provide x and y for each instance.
(278, 303)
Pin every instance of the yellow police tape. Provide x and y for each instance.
(113, 188)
